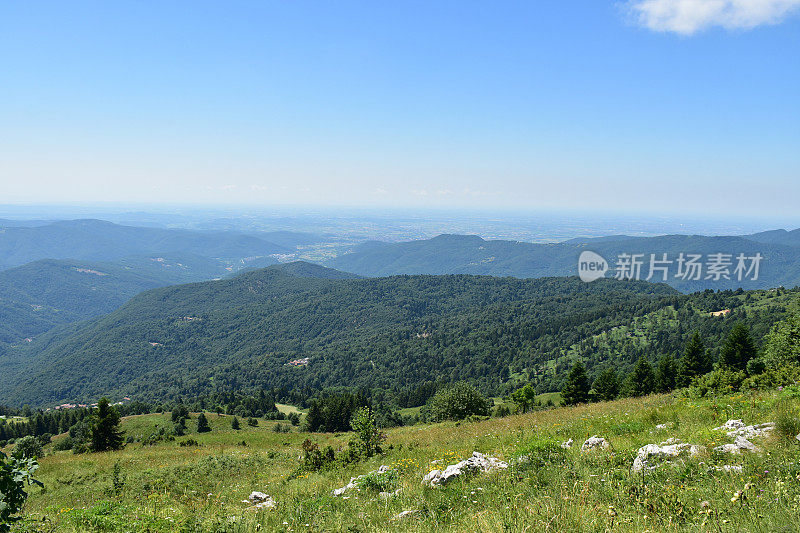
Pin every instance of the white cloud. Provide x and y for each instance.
(690, 16)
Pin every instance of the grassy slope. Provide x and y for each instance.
(168, 486)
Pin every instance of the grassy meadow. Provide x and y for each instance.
(169, 487)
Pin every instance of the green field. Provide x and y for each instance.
(166, 487)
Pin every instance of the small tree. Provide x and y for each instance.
(666, 374)
(524, 398)
(738, 348)
(457, 402)
(576, 390)
(695, 361)
(783, 343)
(105, 432)
(369, 437)
(202, 424)
(28, 447)
(642, 380)
(606, 385)
(179, 414)
(235, 423)
(252, 422)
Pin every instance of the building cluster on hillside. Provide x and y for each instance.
(298, 362)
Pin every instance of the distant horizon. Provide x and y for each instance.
(653, 106)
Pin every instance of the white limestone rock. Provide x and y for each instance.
(652, 456)
(595, 443)
(739, 445)
(477, 463)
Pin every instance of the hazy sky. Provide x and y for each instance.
(664, 105)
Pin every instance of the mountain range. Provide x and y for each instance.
(470, 254)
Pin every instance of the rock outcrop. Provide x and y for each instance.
(259, 500)
(595, 443)
(652, 456)
(354, 480)
(477, 463)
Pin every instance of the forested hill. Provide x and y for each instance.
(470, 254)
(98, 240)
(384, 333)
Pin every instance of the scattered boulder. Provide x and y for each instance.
(477, 463)
(595, 443)
(647, 455)
(739, 445)
(567, 444)
(387, 495)
(730, 468)
(742, 435)
(406, 513)
(354, 480)
(737, 428)
(730, 425)
(259, 500)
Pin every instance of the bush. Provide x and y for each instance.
(457, 402)
(188, 442)
(723, 380)
(15, 474)
(787, 424)
(252, 422)
(64, 444)
(27, 447)
(369, 437)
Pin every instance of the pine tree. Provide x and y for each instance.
(606, 385)
(576, 390)
(105, 432)
(202, 424)
(642, 380)
(738, 348)
(235, 423)
(695, 361)
(666, 374)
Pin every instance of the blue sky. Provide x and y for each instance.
(652, 105)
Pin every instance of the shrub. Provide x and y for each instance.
(722, 380)
(189, 442)
(64, 444)
(457, 402)
(252, 422)
(787, 424)
(379, 482)
(15, 474)
(369, 437)
(27, 447)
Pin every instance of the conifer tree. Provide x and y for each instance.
(606, 385)
(105, 432)
(642, 380)
(202, 424)
(235, 423)
(666, 374)
(695, 361)
(576, 390)
(738, 348)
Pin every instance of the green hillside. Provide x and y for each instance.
(385, 334)
(470, 254)
(160, 485)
